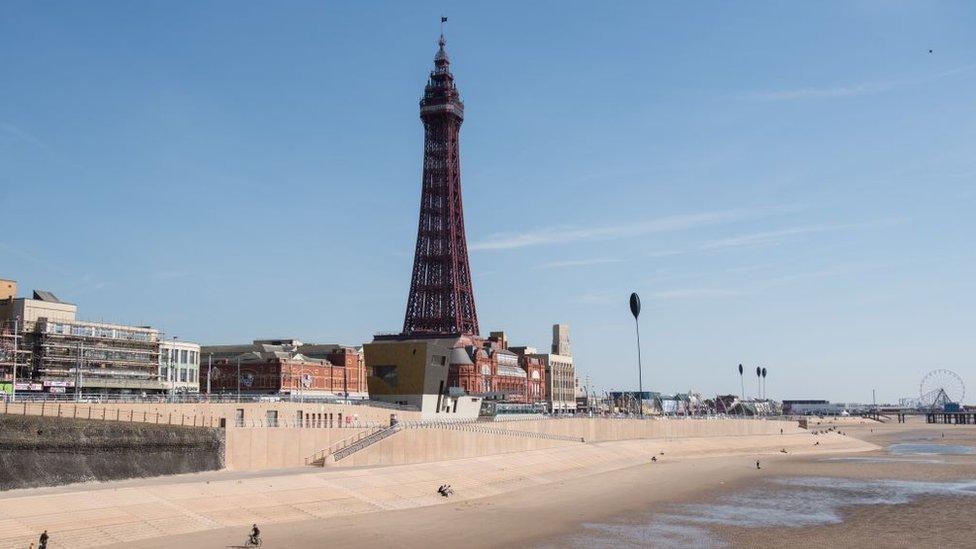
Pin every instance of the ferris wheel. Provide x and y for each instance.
(940, 387)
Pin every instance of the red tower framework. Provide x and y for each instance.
(441, 296)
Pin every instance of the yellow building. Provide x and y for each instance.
(414, 372)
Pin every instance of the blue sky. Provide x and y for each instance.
(786, 184)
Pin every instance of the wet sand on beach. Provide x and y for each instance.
(922, 521)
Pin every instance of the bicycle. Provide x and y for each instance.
(253, 541)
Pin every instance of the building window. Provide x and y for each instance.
(183, 357)
(183, 377)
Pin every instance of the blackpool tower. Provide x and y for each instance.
(441, 296)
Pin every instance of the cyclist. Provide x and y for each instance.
(255, 534)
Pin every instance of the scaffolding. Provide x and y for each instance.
(95, 357)
(15, 358)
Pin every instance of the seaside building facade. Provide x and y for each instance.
(559, 379)
(179, 366)
(58, 354)
(284, 367)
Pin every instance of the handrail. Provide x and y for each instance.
(481, 428)
(336, 446)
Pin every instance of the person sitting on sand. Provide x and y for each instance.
(783, 450)
(816, 443)
(653, 458)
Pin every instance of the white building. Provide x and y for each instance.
(179, 366)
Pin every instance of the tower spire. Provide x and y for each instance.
(441, 60)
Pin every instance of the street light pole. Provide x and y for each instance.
(635, 307)
(238, 379)
(742, 384)
(81, 364)
(209, 368)
(13, 382)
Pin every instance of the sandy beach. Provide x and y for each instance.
(562, 513)
(602, 494)
(521, 517)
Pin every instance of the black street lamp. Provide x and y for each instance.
(758, 384)
(635, 307)
(742, 384)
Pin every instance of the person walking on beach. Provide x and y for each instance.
(757, 465)
(42, 542)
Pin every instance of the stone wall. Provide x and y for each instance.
(50, 451)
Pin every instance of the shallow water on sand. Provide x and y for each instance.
(787, 502)
(929, 449)
(881, 460)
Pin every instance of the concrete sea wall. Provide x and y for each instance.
(261, 448)
(603, 429)
(440, 444)
(44, 451)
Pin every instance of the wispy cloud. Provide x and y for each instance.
(766, 237)
(853, 90)
(577, 263)
(620, 297)
(36, 259)
(819, 93)
(567, 234)
(602, 298)
(781, 235)
(171, 275)
(19, 134)
(694, 293)
(827, 271)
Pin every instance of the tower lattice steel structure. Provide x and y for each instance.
(441, 295)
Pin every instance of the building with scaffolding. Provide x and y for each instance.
(58, 354)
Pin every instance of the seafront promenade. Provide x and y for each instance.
(398, 473)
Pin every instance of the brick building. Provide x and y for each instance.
(487, 368)
(285, 368)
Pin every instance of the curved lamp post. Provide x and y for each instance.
(635, 307)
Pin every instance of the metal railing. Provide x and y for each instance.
(195, 398)
(358, 441)
(482, 427)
